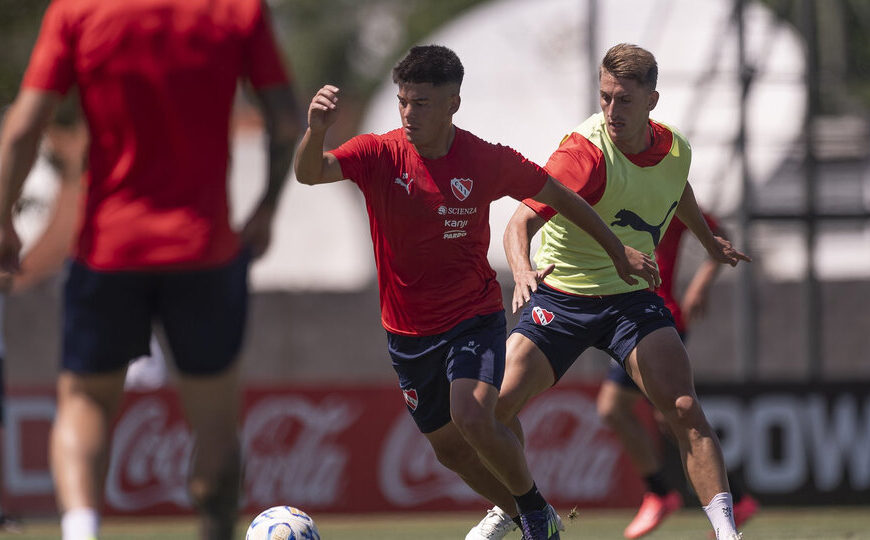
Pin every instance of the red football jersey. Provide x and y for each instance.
(157, 80)
(429, 221)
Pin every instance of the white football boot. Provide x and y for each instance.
(495, 525)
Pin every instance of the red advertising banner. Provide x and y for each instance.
(325, 449)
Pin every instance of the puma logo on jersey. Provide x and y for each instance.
(471, 347)
(627, 218)
(405, 182)
(652, 308)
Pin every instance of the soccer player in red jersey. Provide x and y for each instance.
(427, 187)
(618, 394)
(156, 80)
(634, 173)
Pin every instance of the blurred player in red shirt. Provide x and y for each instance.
(427, 187)
(618, 395)
(157, 80)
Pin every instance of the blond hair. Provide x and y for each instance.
(627, 61)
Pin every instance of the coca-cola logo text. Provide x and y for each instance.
(150, 456)
(291, 450)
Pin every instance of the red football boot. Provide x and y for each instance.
(743, 510)
(653, 510)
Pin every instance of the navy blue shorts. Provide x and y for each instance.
(564, 325)
(618, 375)
(108, 316)
(426, 365)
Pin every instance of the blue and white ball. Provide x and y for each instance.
(282, 523)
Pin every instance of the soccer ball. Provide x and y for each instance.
(282, 523)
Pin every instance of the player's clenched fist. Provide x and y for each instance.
(324, 108)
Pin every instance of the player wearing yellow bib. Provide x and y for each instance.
(633, 172)
(638, 202)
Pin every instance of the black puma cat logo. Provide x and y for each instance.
(627, 218)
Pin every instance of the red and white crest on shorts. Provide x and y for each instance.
(461, 187)
(410, 396)
(542, 316)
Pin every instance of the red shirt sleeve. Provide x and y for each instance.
(352, 157)
(522, 178)
(578, 164)
(51, 64)
(265, 67)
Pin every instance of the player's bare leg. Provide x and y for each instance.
(454, 452)
(211, 403)
(616, 407)
(79, 447)
(660, 367)
(472, 407)
(527, 373)
(512, 397)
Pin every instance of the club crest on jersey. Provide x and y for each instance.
(542, 316)
(461, 187)
(410, 396)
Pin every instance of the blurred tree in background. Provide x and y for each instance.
(19, 25)
(350, 43)
(353, 44)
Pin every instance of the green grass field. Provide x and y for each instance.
(851, 523)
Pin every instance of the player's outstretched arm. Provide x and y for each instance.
(627, 260)
(313, 165)
(719, 249)
(22, 130)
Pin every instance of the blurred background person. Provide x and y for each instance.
(66, 146)
(65, 151)
(157, 79)
(618, 396)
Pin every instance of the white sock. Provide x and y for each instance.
(80, 524)
(720, 512)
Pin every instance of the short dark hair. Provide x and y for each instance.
(434, 64)
(627, 61)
